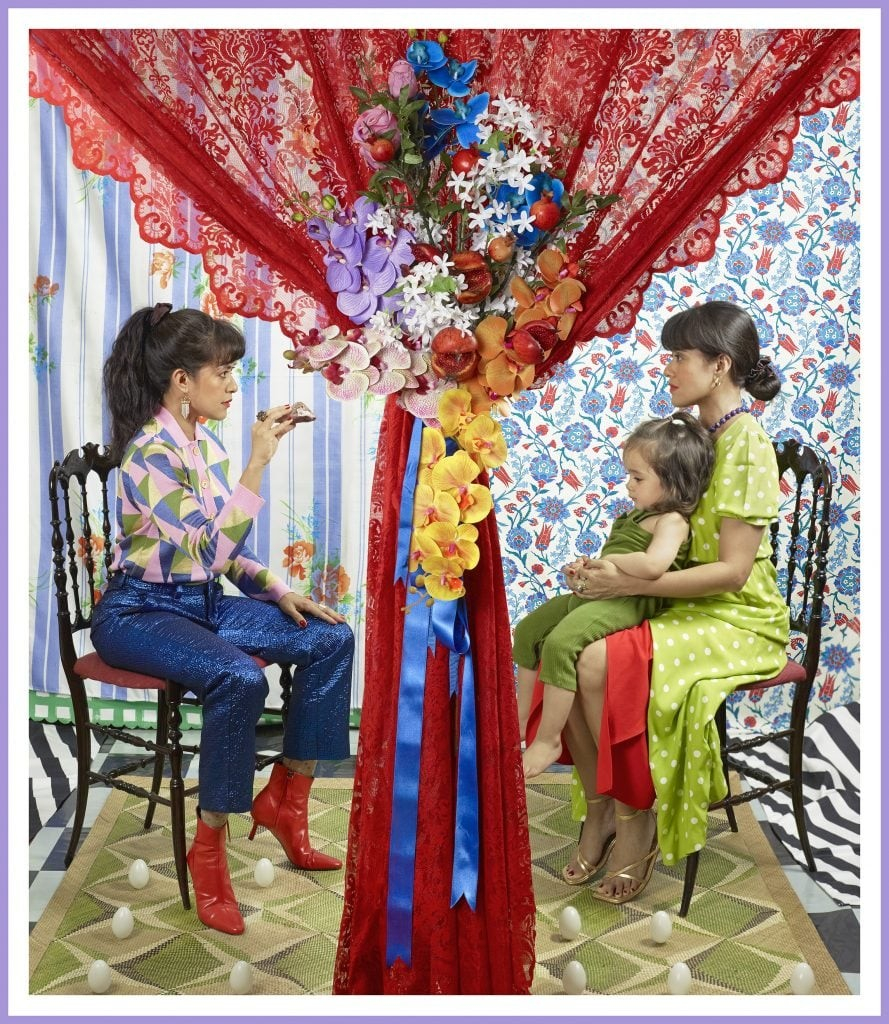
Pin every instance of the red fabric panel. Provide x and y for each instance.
(236, 122)
(455, 950)
(623, 770)
(792, 672)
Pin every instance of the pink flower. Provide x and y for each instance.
(400, 75)
(370, 126)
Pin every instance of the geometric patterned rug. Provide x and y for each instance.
(744, 933)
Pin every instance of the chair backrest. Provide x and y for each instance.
(801, 553)
(81, 538)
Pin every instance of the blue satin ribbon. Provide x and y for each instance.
(406, 511)
(406, 785)
(445, 622)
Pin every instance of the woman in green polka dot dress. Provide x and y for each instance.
(726, 623)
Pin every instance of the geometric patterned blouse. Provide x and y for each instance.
(180, 520)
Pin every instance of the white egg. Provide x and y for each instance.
(661, 927)
(569, 923)
(679, 979)
(802, 980)
(574, 978)
(138, 874)
(264, 872)
(241, 978)
(99, 976)
(122, 923)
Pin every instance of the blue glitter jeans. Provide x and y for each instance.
(202, 638)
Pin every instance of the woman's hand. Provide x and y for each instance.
(297, 607)
(267, 432)
(600, 578)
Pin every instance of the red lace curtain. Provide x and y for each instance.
(216, 130)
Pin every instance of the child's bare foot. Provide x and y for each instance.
(539, 756)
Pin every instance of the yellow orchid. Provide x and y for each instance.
(423, 546)
(434, 506)
(442, 578)
(432, 449)
(454, 542)
(484, 441)
(454, 474)
(455, 411)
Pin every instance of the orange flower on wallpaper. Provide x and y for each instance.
(162, 263)
(297, 557)
(44, 287)
(210, 306)
(96, 543)
(330, 585)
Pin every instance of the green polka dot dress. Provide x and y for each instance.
(707, 646)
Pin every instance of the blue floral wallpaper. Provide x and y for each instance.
(789, 254)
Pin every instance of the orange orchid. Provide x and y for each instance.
(442, 578)
(484, 441)
(457, 542)
(497, 371)
(454, 475)
(559, 301)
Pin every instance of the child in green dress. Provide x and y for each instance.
(668, 464)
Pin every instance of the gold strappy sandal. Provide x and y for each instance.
(648, 862)
(587, 869)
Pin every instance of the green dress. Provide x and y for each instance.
(707, 646)
(554, 634)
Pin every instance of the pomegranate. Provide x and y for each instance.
(545, 214)
(382, 150)
(464, 160)
(474, 268)
(454, 353)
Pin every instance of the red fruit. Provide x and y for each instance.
(454, 353)
(500, 249)
(424, 253)
(532, 342)
(382, 150)
(545, 214)
(525, 347)
(464, 160)
(475, 270)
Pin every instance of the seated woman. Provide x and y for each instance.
(182, 525)
(726, 624)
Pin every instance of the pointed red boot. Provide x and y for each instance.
(216, 904)
(283, 808)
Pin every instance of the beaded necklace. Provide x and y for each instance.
(734, 412)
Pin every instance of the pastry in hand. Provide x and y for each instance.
(299, 413)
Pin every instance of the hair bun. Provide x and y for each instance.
(761, 372)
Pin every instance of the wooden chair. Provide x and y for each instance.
(803, 554)
(78, 493)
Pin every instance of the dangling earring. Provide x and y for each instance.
(717, 380)
(185, 407)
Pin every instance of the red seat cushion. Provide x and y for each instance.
(91, 666)
(792, 672)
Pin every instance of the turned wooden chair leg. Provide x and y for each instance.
(84, 761)
(177, 792)
(160, 740)
(691, 873)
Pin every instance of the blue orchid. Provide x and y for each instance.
(462, 118)
(454, 76)
(542, 186)
(425, 55)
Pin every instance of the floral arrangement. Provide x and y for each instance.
(448, 499)
(452, 264)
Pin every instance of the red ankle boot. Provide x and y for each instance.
(283, 808)
(216, 904)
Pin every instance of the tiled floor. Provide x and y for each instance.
(838, 926)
